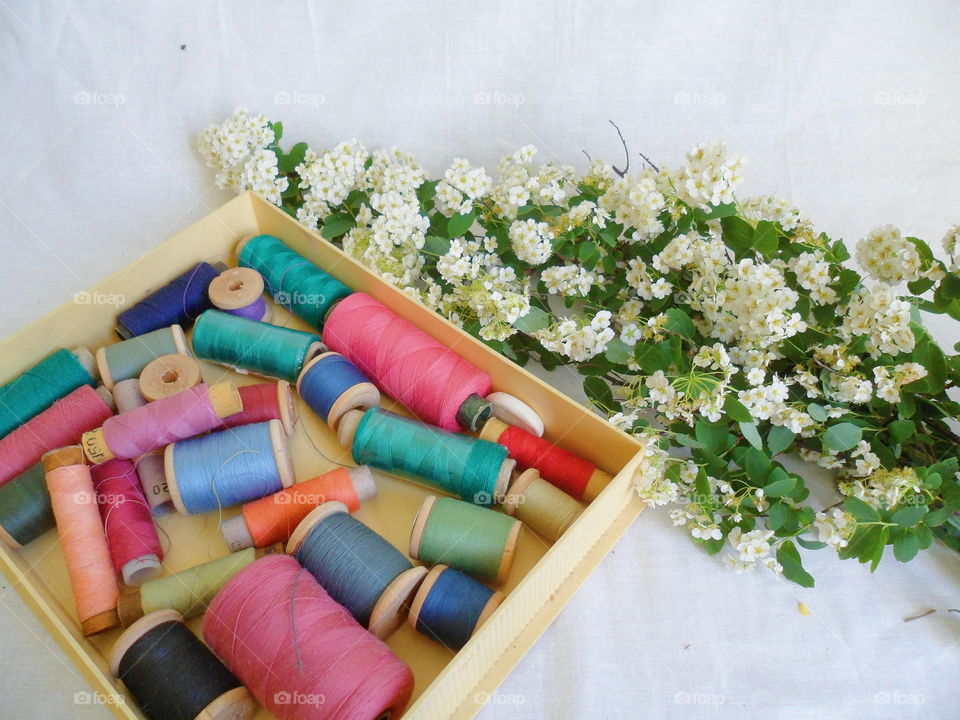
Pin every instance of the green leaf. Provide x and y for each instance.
(436, 245)
(781, 487)
(535, 319)
(713, 436)
(736, 410)
(906, 546)
(288, 163)
(459, 224)
(811, 544)
(937, 517)
(737, 233)
(779, 439)
(749, 431)
(817, 412)
(879, 544)
(901, 430)
(618, 352)
(599, 392)
(909, 516)
(589, 254)
(757, 465)
(929, 354)
(765, 238)
(687, 441)
(277, 128)
(337, 224)
(841, 437)
(860, 510)
(789, 557)
(679, 322)
(777, 515)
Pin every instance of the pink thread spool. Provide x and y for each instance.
(151, 427)
(62, 424)
(283, 636)
(153, 479)
(82, 540)
(409, 365)
(131, 535)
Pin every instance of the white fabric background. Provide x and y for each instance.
(850, 109)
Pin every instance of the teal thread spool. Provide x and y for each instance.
(291, 280)
(476, 470)
(54, 377)
(248, 345)
(127, 359)
(479, 541)
(25, 509)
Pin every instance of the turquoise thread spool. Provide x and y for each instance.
(26, 512)
(128, 358)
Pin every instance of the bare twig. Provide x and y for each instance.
(648, 161)
(917, 617)
(626, 152)
(588, 155)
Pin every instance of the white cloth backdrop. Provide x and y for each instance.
(849, 109)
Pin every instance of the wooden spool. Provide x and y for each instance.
(168, 375)
(361, 395)
(238, 288)
(179, 341)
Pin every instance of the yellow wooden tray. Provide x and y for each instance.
(448, 685)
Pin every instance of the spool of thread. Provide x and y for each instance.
(450, 606)
(82, 540)
(360, 569)
(477, 540)
(179, 302)
(476, 470)
(228, 467)
(284, 636)
(127, 359)
(127, 395)
(190, 591)
(542, 507)
(273, 518)
(131, 535)
(25, 509)
(35, 390)
(292, 281)
(61, 424)
(239, 291)
(156, 424)
(168, 375)
(171, 674)
(406, 363)
(579, 478)
(513, 411)
(247, 345)
(331, 386)
(153, 482)
(263, 402)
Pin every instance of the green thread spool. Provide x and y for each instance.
(542, 507)
(291, 280)
(54, 377)
(476, 470)
(249, 345)
(25, 509)
(479, 541)
(127, 359)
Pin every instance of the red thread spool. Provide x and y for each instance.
(571, 473)
(263, 402)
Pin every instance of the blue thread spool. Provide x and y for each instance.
(228, 467)
(179, 302)
(360, 569)
(451, 606)
(331, 386)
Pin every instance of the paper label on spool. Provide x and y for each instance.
(95, 446)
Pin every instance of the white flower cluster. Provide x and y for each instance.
(753, 549)
(813, 274)
(640, 279)
(889, 381)
(578, 338)
(764, 207)
(884, 319)
(636, 201)
(520, 185)
(951, 246)
(865, 460)
(884, 489)
(461, 187)
(531, 241)
(834, 527)
(685, 401)
(769, 402)
(652, 484)
(569, 280)
(237, 149)
(328, 178)
(887, 256)
(393, 171)
(709, 177)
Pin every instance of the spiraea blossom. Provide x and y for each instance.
(889, 257)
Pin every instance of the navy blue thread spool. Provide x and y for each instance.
(331, 386)
(450, 606)
(179, 302)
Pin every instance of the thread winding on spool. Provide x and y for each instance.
(35, 390)
(82, 540)
(450, 606)
(144, 429)
(284, 636)
(228, 467)
(331, 386)
(263, 402)
(577, 477)
(190, 591)
(25, 509)
(239, 291)
(179, 302)
(127, 359)
(479, 541)
(168, 375)
(127, 395)
(153, 482)
(292, 281)
(476, 470)
(131, 535)
(360, 569)
(513, 411)
(404, 361)
(61, 424)
(542, 507)
(247, 345)
(273, 518)
(171, 674)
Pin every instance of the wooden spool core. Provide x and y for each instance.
(493, 429)
(515, 494)
(348, 428)
(179, 342)
(63, 457)
(168, 375)
(392, 606)
(513, 411)
(596, 484)
(362, 395)
(427, 585)
(8, 540)
(288, 407)
(236, 288)
(225, 399)
(86, 358)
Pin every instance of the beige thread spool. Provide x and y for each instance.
(238, 288)
(545, 509)
(177, 338)
(127, 395)
(392, 607)
(361, 395)
(424, 592)
(169, 374)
